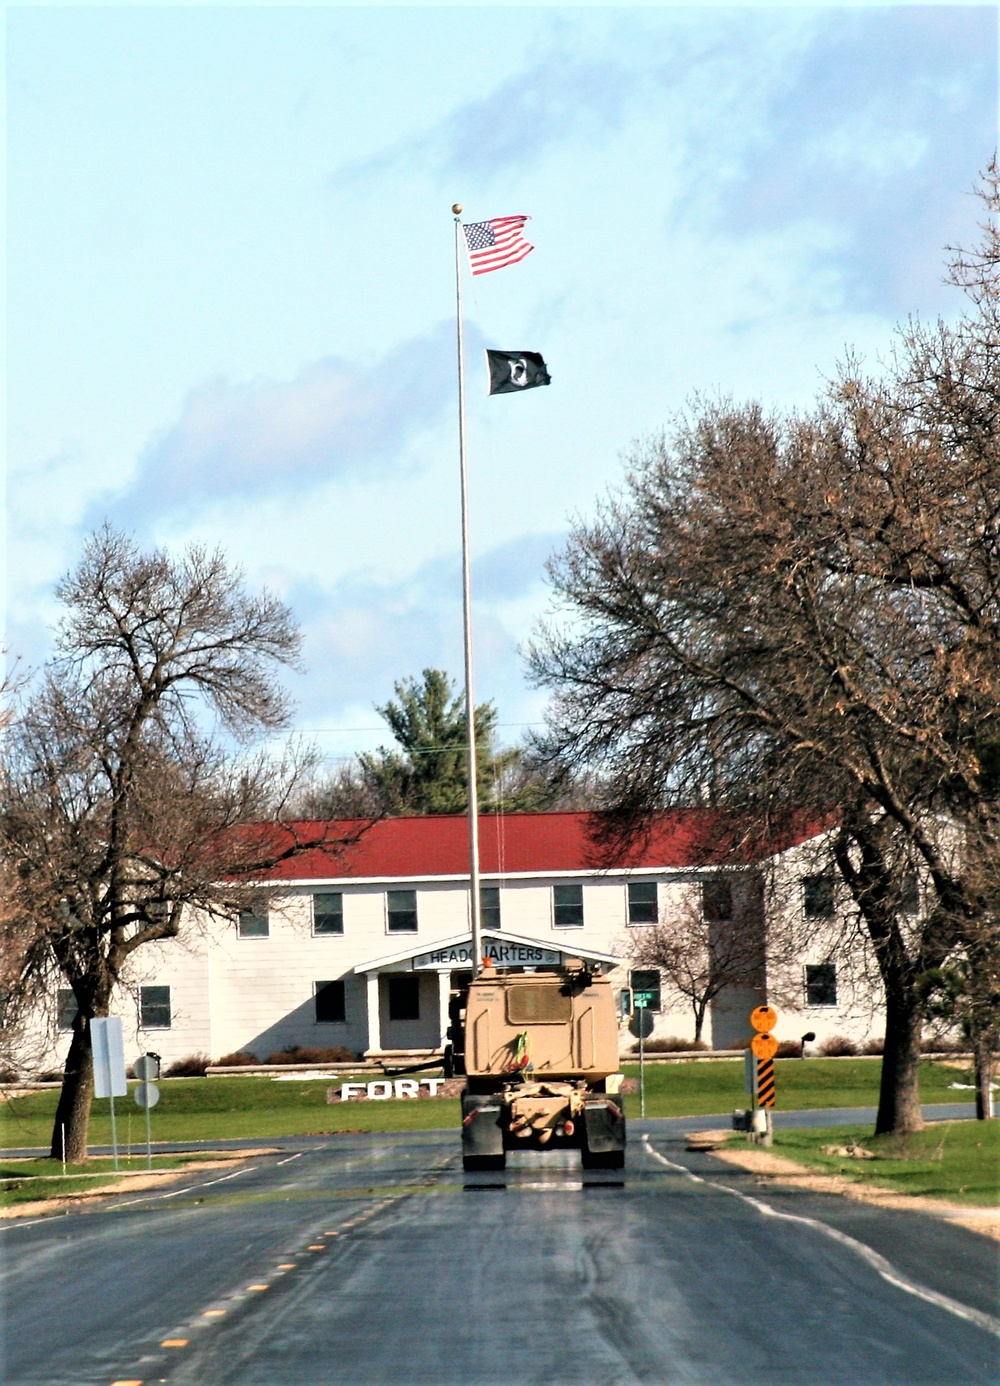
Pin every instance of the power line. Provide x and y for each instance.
(383, 729)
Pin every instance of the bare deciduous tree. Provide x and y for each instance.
(701, 952)
(803, 614)
(342, 793)
(131, 797)
(964, 994)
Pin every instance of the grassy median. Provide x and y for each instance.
(957, 1160)
(30, 1181)
(210, 1109)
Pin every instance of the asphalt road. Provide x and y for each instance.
(372, 1261)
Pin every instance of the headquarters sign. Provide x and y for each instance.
(501, 952)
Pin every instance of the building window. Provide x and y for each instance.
(821, 984)
(404, 998)
(646, 981)
(489, 906)
(331, 1006)
(817, 896)
(643, 907)
(154, 1008)
(66, 1008)
(328, 913)
(567, 906)
(717, 899)
(401, 907)
(250, 924)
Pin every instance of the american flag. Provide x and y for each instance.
(496, 243)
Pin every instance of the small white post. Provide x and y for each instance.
(114, 1134)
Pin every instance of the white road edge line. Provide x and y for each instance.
(885, 1268)
(289, 1160)
(191, 1188)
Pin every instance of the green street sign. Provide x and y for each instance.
(642, 1000)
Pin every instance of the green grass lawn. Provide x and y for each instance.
(959, 1160)
(207, 1109)
(700, 1089)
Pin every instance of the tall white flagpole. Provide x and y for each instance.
(475, 911)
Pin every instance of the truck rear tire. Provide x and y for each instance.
(603, 1159)
(476, 1164)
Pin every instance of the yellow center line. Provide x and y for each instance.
(174, 1342)
(214, 1313)
(317, 1246)
(287, 1265)
(258, 1287)
(136, 1382)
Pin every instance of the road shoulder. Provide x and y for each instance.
(777, 1170)
(125, 1181)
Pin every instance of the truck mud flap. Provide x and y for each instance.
(603, 1129)
(482, 1133)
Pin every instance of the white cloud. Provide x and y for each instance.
(334, 419)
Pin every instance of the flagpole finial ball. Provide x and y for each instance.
(456, 208)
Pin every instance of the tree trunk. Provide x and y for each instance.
(983, 1059)
(73, 1111)
(699, 1019)
(899, 1090)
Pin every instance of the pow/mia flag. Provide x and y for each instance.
(511, 371)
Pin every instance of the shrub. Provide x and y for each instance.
(789, 1049)
(942, 1044)
(873, 1046)
(239, 1060)
(192, 1067)
(304, 1054)
(8, 1075)
(838, 1047)
(672, 1044)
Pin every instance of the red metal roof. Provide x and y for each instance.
(513, 843)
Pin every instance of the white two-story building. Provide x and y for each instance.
(362, 949)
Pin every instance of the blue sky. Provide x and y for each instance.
(231, 282)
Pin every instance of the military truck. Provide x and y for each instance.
(540, 1054)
